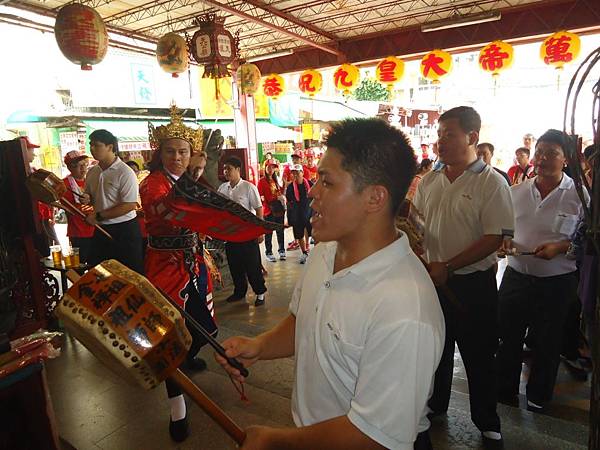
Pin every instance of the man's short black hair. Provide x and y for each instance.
(375, 153)
(106, 137)
(134, 165)
(233, 161)
(468, 119)
(556, 137)
(590, 152)
(524, 150)
(486, 144)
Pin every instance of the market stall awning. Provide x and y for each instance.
(125, 130)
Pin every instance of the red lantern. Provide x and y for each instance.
(81, 35)
(213, 46)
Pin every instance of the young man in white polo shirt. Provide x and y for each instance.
(467, 210)
(365, 325)
(243, 258)
(112, 188)
(537, 290)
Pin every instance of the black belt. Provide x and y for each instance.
(177, 242)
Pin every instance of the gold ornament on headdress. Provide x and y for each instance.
(175, 129)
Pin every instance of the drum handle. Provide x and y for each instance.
(209, 407)
(201, 399)
(76, 210)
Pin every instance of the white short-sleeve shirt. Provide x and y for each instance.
(244, 193)
(368, 341)
(457, 214)
(555, 218)
(112, 186)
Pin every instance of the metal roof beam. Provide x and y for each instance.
(236, 12)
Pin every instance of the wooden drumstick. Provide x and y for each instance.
(83, 216)
(201, 399)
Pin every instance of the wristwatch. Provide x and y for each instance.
(99, 217)
(449, 270)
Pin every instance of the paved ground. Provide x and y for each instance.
(96, 410)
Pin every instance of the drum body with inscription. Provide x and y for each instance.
(126, 322)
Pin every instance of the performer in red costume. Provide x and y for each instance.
(174, 260)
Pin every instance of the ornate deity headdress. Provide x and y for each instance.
(175, 129)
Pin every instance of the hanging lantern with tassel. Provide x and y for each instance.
(435, 65)
(310, 82)
(172, 54)
(389, 71)
(496, 57)
(346, 78)
(274, 86)
(81, 35)
(560, 48)
(248, 77)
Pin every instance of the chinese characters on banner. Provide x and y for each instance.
(560, 48)
(273, 86)
(346, 78)
(389, 71)
(310, 82)
(496, 57)
(435, 65)
(143, 84)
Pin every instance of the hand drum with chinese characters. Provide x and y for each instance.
(45, 186)
(133, 329)
(126, 322)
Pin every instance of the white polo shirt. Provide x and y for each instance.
(555, 218)
(244, 193)
(368, 341)
(112, 186)
(457, 214)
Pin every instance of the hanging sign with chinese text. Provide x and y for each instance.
(310, 82)
(346, 78)
(389, 71)
(435, 65)
(213, 46)
(496, 57)
(273, 86)
(560, 48)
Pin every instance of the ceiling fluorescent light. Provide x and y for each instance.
(461, 21)
(270, 55)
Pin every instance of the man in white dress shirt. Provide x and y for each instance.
(365, 325)
(537, 290)
(243, 258)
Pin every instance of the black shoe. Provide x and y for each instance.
(259, 301)
(492, 444)
(234, 298)
(194, 365)
(534, 407)
(179, 430)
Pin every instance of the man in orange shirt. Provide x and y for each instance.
(311, 168)
(79, 232)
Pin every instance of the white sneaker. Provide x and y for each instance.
(282, 256)
(302, 258)
(270, 257)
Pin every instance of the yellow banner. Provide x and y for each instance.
(212, 107)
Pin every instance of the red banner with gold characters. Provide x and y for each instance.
(560, 48)
(389, 71)
(274, 86)
(310, 82)
(435, 65)
(496, 57)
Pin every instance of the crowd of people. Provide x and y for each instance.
(372, 323)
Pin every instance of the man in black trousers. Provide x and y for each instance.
(243, 257)
(467, 209)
